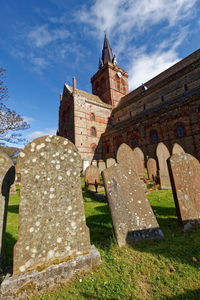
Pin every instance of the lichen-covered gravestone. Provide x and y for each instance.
(125, 157)
(152, 169)
(110, 162)
(92, 176)
(7, 177)
(86, 164)
(101, 165)
(52, 226)
(163, 154)
(139, 162)
(177, 149)
(184, 170)
(131, 213)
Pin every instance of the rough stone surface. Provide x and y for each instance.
(22, 286)
(13, 189)
(177, 149)
(131, 213)
(52, 224)
(7, 177)
(184, 170)
(110, 162)
(126, 157)
(101, 165)
(163, 154)
(139, 162)
(152, 169)
(86, 163)
(92, 175)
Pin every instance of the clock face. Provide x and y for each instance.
(119, 74)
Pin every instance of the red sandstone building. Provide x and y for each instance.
(165, 109)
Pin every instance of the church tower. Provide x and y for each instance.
(110, 82)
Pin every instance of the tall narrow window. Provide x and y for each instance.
(185, 87)
(93, 131)
(134, 142)
(180, 132)
(154, 137)
(162, 98)
(93, 148)
(144, 106)
(92, 117)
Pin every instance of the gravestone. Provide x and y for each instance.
(7, 177)
(13, 189)
(101, 165)
(152, 169)
(92, 176)
(125, 157)
(139, 162)
(94, 163)
(163, 154)
(177, 149)
(110, 162)
(184, 170)
(131, 213)
(86, 163)
(52, 226)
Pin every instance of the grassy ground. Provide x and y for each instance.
(162, 269)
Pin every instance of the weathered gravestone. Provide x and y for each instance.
(125, 157)
(52, 229)
(101, 165)
(110, 162)
(86, 164)
(163, 154)
(7, 177)
(131, 213)
(177, 149)
(184, 170)
(92, 176)
(94, 163)
(139, 162)
(152, 169)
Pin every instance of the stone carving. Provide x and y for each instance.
(110, 162)
(86, 163)
(177, 149)
(92, 176)
(139, 162)
(152, 169)
(7, 177)
(163, 154)
(101, 165)
(131, 213)
(52, 226)
(184, 170)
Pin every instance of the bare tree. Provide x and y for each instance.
(10, 121)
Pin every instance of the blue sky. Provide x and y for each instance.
(45, 43)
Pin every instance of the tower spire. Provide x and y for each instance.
(106, 52)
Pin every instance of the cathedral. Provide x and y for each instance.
(164, 109)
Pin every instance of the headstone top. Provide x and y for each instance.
(163, 154)
(125, 156)
(177, 149)
(92, 175)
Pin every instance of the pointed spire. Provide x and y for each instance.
(106, 52)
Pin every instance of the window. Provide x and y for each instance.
(180, 132)
(144, 106)
(107, 149)
(162, 98)
(93, 148)
(92, 117)
(185, 87)
(134, 142)
(154, 137)
(93, 131)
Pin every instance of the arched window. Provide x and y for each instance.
(93, 131)
(93, 148)
(92, 116)
(154, 137)
(134, 142)
(180, 132)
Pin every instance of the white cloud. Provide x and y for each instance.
(36, 134)
(28, 119)
(42, 35)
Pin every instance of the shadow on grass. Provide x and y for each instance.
(13, 209)
(9, 247)
(193, 294)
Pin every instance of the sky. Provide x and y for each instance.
(45, 43)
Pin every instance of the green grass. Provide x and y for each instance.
(160, 269)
